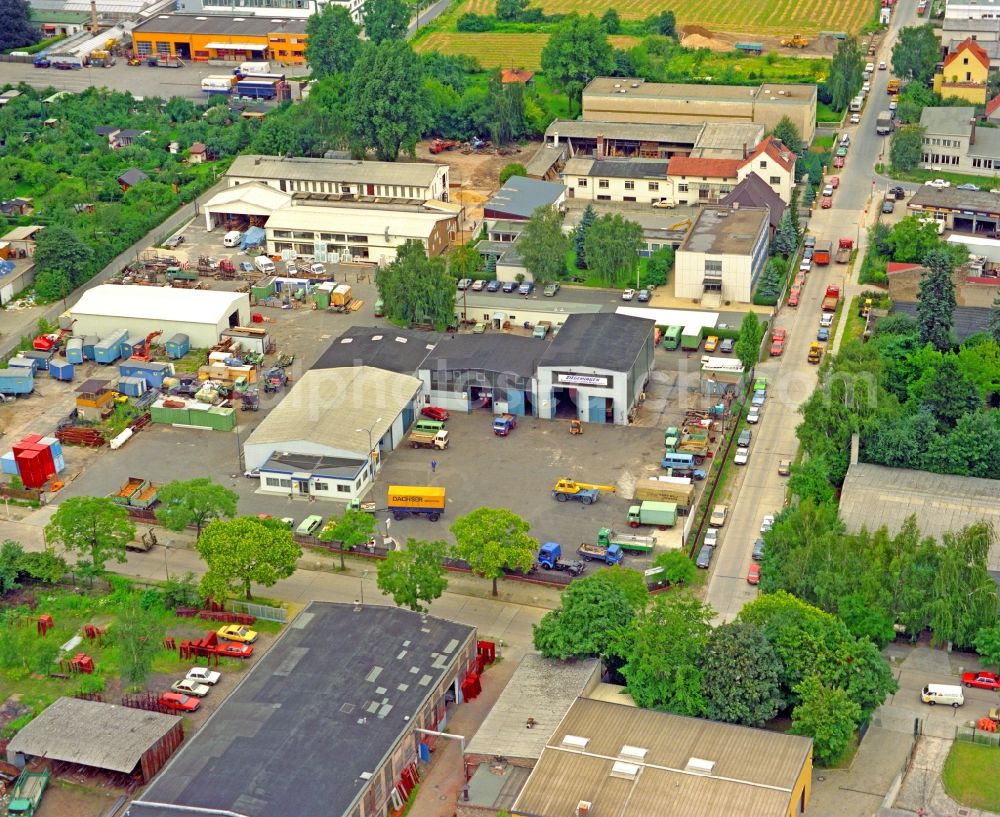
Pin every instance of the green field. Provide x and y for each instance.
(499, 50)
(773, 17)
(970, 775)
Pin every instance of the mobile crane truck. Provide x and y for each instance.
(585, 492)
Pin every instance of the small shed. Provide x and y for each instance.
(131, 177)
(103, 736)
(198, 153)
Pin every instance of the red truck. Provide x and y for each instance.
(844, 250)
(831, 299)
(822, 253)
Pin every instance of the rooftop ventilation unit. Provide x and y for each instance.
(575, 742)
(626, 771)
(697, 765)
(633, 753)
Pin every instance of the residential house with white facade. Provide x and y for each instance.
(953, 142)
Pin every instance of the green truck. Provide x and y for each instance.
(606, 537)
(27, 793)
(653, 513)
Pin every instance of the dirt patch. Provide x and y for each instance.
(477, 171)
(65, 799)
(700, 37)
(12, 709)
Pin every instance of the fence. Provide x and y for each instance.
(262, 611)
(970, 734)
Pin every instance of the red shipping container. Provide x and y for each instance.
(48, 463)
(27, 443)
(31, 468)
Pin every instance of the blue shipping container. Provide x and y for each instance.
(59, 462)
(60, 370)
(178, 346)
(132, 386)
(43, 358)
(22, 363)
(17, 381)
(8, 464)
(153, 373)
(131, 345)
(89, 342)
(74, 351)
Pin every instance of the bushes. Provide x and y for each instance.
(771, 283)
(475, 22)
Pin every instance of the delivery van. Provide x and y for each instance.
(264, 264)
(232, 238)
(429, 426)
(948, 694)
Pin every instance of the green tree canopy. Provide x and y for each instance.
(513, 169)
(747, 347)
(245, 551)
(580, 235)
(62, 260)
(740, 675)
(612, 247)
(94, 528)
(611, 21)
(333, 43)
(592, 612)
(385, 20)
(542, 246)
(510, 10)
(936, 300)
(787, 131)
(828, 716)
(677, 567)
(417, 289)
(906, 147)
(138, 636)
(987, 644)
(491, 540)
(17, 30)
(352, 530)
(916, 52)
(415, 576)
(658, 267)
(844, 80)
(389, 71)
(577, 51)
(194, 502)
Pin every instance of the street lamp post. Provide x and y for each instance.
(364, 575)
(371, 446)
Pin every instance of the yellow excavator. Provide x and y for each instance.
(585, 492)
(795, 41)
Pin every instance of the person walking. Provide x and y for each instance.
(434, 466)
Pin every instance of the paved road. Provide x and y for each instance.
(791, 378)
(432, 12)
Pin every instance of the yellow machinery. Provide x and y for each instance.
(585, 492)
(795, 41)
(575, 426)
(815, 353)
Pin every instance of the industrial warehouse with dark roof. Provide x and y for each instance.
(326, 722)
(609, 759)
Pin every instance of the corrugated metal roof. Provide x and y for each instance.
(371, 220)
(754, 770)
(421, 174)
(161, 303)
(91, 733)
(252, 194)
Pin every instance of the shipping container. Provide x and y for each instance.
(264, 288)
(108, 349)
(60, 370)
(178, 346)
(74, 351)
(23, 364)
(45, 458)
(42, 357)
(8, 465)
(132, 386)
(89, 343)
(152, 372)
(31, 470)
(16, 381)
(131, 345)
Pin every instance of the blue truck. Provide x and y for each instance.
(550, 558)
(504, 424)
(609, 554)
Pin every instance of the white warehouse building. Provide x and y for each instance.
(202, 315)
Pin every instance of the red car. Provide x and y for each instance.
(777, 347)
(181, 703)
(753, 574)
(434, 413)
(834, 182)
(838, 161)
(233, 650)
(982, 680)
(793, 296)
(826, 203)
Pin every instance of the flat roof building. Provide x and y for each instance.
(625, 99)
(607, 759)
(221, 37)
(252, 202)
(952, 138)
(968, 211)
(315, 442)
(384, 347)
(520, 197)
(325, 722)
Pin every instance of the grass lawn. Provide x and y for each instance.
(498, 50)
(824, 113)
(920, 175)
(970, 775)
(824, 142)
(592, 280)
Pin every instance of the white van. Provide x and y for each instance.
(232, 238)
(264, 264)
(942, 694)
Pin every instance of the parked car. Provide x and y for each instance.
(435, 413)
(826, 202)
(712, 537)
(938, 183)
(810, 241)
(246, 266)
(845, 141)
(767, 523)
(644, 296)
(203, 675)
(823, 334)
(888, 205)
(478, 285)
(981, 680)
(828, 190)
(718, 518)
(238, 632)
(727, 346)
(807, 254)
(743, 441)
(479, 328)
(186, 686)
(777, 347)
(758, 398)
(742, 455)
(464, 283)
(855, 119)
(753, 574)
(838, 161)
(509, 286)
(806, 264)
(493, 286)
(826, 319)
(881, 65)
(704, 560)
(784, 468)
(893, 105)
(252, 473)
(711, 343)
(835, 182)
(526, 288)
(841, 151)
(758, 550)
(753, 416)
(628, 294)
(550, 289)
(233, 650)
(760, 383)
(967, 186)
(794, 296)
(178, 702)
(309, 525)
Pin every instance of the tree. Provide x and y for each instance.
(464, 261)
(11, 554)
(787, 131)
(947, 393)
(987, 644)
(492, 540)
(580, 236)
(245, 551)
(510, 11)
(513, 169)
(747, 347)
(507, 111)
(386, 20)
(810, 480)
(936, 300)
(591, 614)
(194, 502)
(740, 672)
(612, 248)
(993, 327)
(390, 71)
(53, 285)
(906, 147)
(844, 80)
(828, 716)
(543, 246)
(786, 240)
(631, 582)
(61, 256)
(611, 21)
(909, 241)
(915, 53)
(414, 577)
(577, 51)
(43, 566)
(17, 30)
(658, 267)
(962, 600)
(677, 567)
(417, 289)
(661, 654)
(94, 527)
(664, 24)
(352, 530)
(138, 636)
(333, 43)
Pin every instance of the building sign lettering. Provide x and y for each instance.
(570, 379)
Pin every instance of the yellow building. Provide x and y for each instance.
(230, 39)
(964, 73)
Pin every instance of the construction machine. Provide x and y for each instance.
(585, 492)
(795, 41)
(147, 345)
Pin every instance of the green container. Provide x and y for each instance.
(322, 298)
(264, 288)
(169, 416)
(220, 419)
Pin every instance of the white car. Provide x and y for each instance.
(464, 284)
(712, 537)
(753, 416)
(826, 320)
(805, 265)
(870, 67)
(767, 523)
(881, 65)
(188, 687)
(628, 294)
(203, 675)
(252, 473)
(742, 455)
(478, 285)
(938, 183)
(866, 88)
(893, 105)
(828, 190)
(855, 119)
